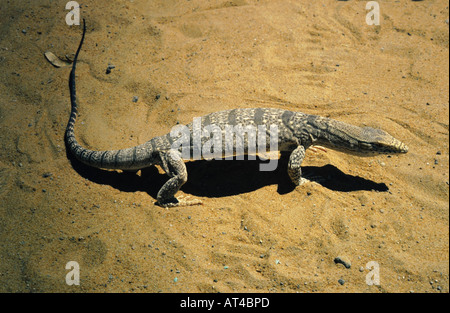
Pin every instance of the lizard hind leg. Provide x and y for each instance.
(294, 166)
(174, 166)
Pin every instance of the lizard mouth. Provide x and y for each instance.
(399, 148)
(403, 148)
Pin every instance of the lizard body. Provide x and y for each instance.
(296, 132)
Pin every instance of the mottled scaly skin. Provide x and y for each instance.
(296, 133)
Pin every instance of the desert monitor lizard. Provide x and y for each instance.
(296, 132)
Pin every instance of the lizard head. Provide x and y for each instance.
(372, 140)
(362, 141)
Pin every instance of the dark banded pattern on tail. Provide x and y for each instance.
(131, 158)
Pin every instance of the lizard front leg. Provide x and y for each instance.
(294, 166)
(174, 166)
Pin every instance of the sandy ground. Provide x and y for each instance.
(253, 233)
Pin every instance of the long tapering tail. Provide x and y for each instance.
(70, 135)
(131, 158)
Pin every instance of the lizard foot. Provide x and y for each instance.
(303, 181)
(181, 201)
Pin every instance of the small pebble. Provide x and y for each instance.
(341, 281)
(109, 68)
(135, 99)
(343, 261)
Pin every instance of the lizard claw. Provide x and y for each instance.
(181, 201)
(303, 181)
(315, 148)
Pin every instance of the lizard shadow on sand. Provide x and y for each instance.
(222, 178)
